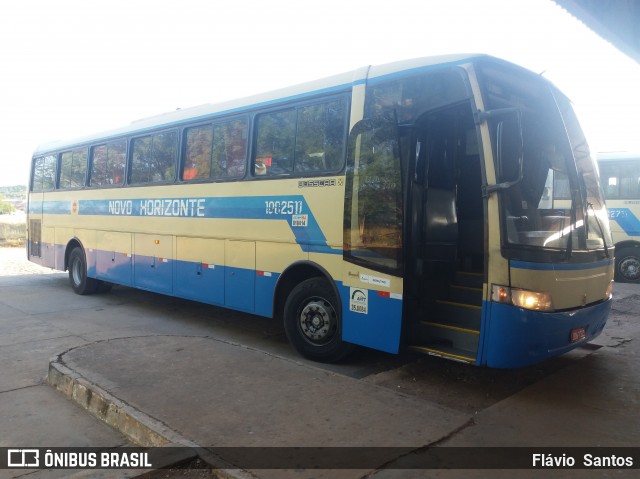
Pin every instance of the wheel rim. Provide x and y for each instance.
(76, 272)
(318, 322)
(630, 268)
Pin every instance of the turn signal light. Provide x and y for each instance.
(609, 291)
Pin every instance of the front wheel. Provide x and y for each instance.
(80, 283)
(628, 265)
(312, 321)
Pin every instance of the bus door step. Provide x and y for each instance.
(465, 278)
(449, 325)
(446, 352)
(460, 337)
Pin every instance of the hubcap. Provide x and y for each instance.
(76, 273)
(630, 268)
(318, 321)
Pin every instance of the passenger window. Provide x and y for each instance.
(197, 163)
(229, 149)
(36, 182)
(307, 139)
(108, 163)
(73, 168)
(44, 173)
(276, 140)
(154, 158)
(216, 151)
(320, 137)
(49, 173)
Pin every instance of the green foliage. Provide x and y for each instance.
(6, 208)
(17, 191)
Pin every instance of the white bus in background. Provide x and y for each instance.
(620, 179)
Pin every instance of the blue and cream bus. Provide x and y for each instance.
(402, 206)
(620, 174)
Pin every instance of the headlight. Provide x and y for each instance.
(534, 300)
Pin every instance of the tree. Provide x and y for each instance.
(5, 208)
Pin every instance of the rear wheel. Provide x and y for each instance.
(312, 321)
(628, 265)
(80, 283)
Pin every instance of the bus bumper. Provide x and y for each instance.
(515, 337)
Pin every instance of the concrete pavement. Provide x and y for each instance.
(31, 412)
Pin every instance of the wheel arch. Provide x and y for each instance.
(71, 245)
(293, 275)
(627, 244)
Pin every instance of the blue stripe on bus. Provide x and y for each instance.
(629, 222)
(293, 209)
(559, 266)
(50, 207)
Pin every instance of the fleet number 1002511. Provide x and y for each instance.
(283, 207)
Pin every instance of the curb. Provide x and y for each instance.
(137, 426)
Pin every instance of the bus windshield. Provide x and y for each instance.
(557, 205)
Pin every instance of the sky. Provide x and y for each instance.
(69, 68)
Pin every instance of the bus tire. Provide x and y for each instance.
(80, 283)
(628, 265)
(312, 322)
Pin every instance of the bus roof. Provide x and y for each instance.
(618, 156)
(326, 85)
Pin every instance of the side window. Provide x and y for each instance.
(620, 180)
(306, 139)
(44, 174)
(197, 164)
(229, 149)
(154, 158)
(73, 168)
(215, 151)
(275, 144)
(320, 137)
(610, 180)
(407, 97)
(108, 162)
(630, 180)
(36, 181)
(49, 173)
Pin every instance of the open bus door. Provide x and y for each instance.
(373, 237)
(445, 231)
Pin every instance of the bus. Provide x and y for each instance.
(396, 207)
(620, 176)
